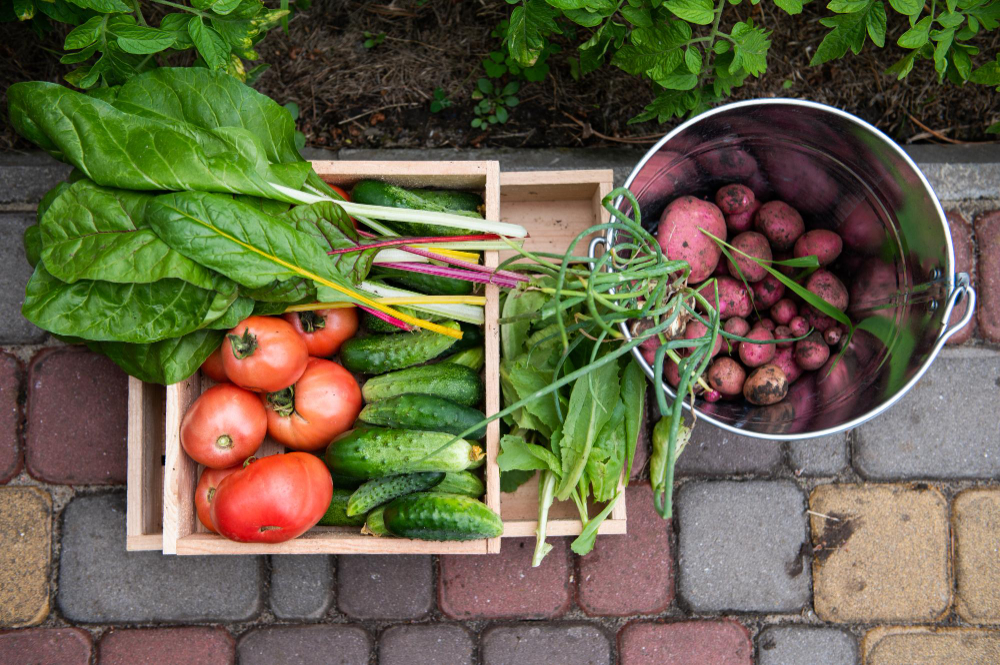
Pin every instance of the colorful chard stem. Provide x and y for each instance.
(455, 273)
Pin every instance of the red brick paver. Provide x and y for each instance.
(505, 585)
(45, 646)
(10, 417)
(633, 573)
(167, 646)
(77, 418)
(965, 261)
(685, 643)
(988, 274)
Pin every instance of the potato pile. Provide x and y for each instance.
(760, 371)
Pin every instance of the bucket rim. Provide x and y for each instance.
(949, 275)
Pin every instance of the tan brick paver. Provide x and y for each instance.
(919, 644)
(25, 553)
(975, 518)
(884, 555)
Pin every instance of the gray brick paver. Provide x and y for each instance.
(301, 586)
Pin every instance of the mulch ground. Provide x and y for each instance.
(351, 96)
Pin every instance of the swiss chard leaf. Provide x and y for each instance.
(164, 362)
(136, 313)
(331, 228)
(96, 233)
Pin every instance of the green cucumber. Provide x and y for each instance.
(377, 325)
(472, 336)
(374, 192)
(448, 380)
(429, 284)
(336, 514)
(461, 482)
(474, 358)
(424, 412)
(379, 452)
(378, 354)
(383, 490)
(435, 516)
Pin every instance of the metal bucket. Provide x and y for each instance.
(841, 174)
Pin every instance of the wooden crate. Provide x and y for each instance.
(554, 206)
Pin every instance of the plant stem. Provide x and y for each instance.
(185, 8)
(138, 13)
(546, 493)
(712, 35)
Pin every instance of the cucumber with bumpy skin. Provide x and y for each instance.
(377, 325)
(379, 452)
(448, 380)
(374, 192)
(435, 516)
(461, 482)
(424, 412)
(377, 354)
(474, 358)
(383, 490)
(423, 283)
(336, 514)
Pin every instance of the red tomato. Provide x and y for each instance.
(322, 404)
(212, 367)
(224, 426)
(264, 354)
(325, 330)
(205, 492)
(272, 499)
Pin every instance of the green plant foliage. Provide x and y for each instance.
(373, 39)
(493, 102)
(440, 102)
(679, 47)
(112, 41)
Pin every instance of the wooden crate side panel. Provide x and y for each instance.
(491, 336)
(456, 174)
(144, 489)
(180, 473)
(323, 540)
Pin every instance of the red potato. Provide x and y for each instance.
(817, 319)
(833, 335)
(766, 385)
(767, 324)
(783, 311)
(780, 223)
(874, 287)
(799, 326)
(800, 180)
(671, 372)
(862, 230)
(663, 176)
(742, 221)
(783, 332)
(735, 326)
(696, 329)
(680, 237)
(728, 163)
(812, 352)
(753, 245)
(756, 354)
(734, 199)
(823, 244)
(726, 376)
(733, 297)
(827, 286)
(784, 358)
(767, 291)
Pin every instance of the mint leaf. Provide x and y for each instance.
(916, 36)
(750, 46)
(699, 12)
(529, 24)
(876, 24)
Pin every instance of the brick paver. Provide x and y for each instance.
(881, 554)
(988, 275)
(505, 585)
(306, 645)
(825, 456)
(797, 645)
(739, 546)
(25, 552)
(946, 427)
(45, 646)
(76, 418)
(715, 452)
(948, 646)
(685, 643)
(546, 644)
(14, 328)
(10, 417)
(965, 261)
(632, 573)
(167, 646)
(301, 586)
(975, 519)
(385, 587)
(433, 644)
(99, 582)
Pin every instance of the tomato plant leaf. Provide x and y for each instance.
(750, 46)
(699, 12)
(210, 44)
(529, 24)
(142, 40)
(85, 34)
(103, 6)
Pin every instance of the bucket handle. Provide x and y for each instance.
(963, 289)
(592, 249)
